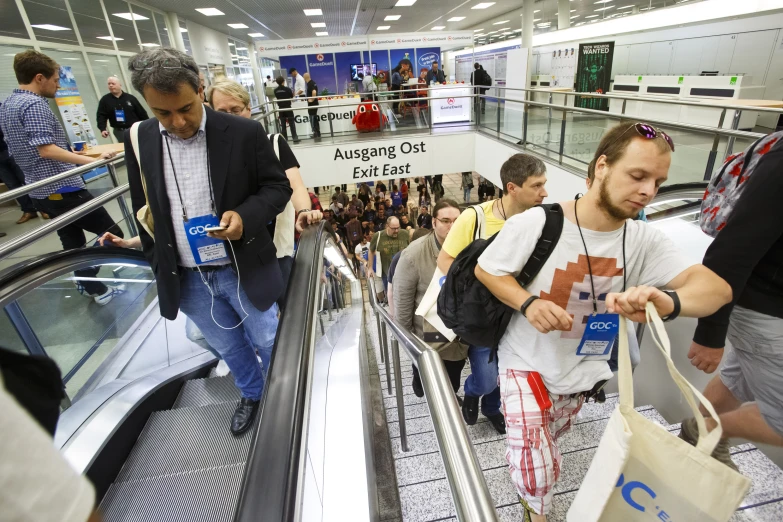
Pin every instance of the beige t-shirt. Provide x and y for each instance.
(36, 483)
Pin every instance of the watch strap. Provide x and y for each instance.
(527, 304)
(677, 307)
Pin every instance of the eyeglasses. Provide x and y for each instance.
(236, 111)
(446, 222)
(394, 229)
(140, 64)
(649, 132)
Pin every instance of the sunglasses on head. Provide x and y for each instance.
(650, 133)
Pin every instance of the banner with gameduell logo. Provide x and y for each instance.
(641, 472)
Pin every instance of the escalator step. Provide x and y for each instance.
(202, 495)
(186, 439)
(201, 392)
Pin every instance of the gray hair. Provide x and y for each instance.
(115, 77)
(518, 168)
(160, 78)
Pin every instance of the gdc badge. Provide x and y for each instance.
(203, 247)
(599, 336)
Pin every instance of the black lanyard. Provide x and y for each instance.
(589, 267)
(176, 182)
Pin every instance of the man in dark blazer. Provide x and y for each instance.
(206, 169)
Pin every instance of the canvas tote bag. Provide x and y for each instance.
(144, 215)
(428, 307)
(641, 472)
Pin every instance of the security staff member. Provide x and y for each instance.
(312, 104)
(120, 109)
(284, 95)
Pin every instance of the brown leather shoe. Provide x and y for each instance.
(27, 216)
(45, 215)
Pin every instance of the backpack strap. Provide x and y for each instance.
(550, 235)
(480, 227)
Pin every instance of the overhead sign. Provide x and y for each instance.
(312, 45)
(401, 41)
(377, 159)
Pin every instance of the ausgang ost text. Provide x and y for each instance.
(389, 152)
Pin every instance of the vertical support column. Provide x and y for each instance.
(714, 151)
(527, 37)
(172, 24)
(259, 81)
(563, 14)
(398, 390)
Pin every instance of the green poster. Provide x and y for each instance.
(593, 73)
(733, 80)
(680, 80)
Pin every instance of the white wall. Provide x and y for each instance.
(752, 46)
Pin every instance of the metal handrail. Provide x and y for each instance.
(469, 490)
(26, 189)
(18, 243)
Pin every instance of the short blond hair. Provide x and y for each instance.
(230, 88)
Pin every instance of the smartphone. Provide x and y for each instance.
(217, 228)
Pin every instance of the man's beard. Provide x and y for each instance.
(605, 203)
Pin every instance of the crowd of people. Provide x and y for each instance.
(219, 203)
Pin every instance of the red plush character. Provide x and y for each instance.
(368, 118)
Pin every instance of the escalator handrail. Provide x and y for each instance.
(680, 191)
(44, 268)
(274, 466)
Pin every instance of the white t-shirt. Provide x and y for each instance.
(299, 85)
(36, 482)
(363, 250)
(652, 260)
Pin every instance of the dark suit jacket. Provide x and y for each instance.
(247, 178)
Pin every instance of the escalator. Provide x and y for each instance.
(154, 436)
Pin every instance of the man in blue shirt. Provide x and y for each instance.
(40, 147)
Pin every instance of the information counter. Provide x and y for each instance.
(340, 117)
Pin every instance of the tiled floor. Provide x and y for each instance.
(424, 490)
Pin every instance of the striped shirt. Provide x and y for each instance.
(190, 159)
(28, 122)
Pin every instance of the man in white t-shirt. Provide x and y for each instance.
(604, 263)
(362, 253)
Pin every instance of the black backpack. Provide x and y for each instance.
(468, 308)
(487, 80)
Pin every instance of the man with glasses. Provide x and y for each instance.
(386, 243)
(40, 148)
(120, 109)
(212, 184)
(605, 265)
(523, 178)
(415, 271)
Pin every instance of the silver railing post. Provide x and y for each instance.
(622, 111)
(398, 389)
(525, 110)
(734, 126)
(126, 215)
(549, 121)
(714, 151)
(562, 130)
(378, 324)
(497, 108)
(385, 348)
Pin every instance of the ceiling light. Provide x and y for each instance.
(130, 16)
(604, 1)
(50, 27)
(477, 30)
(592, 16)
(210, 11)
(255, 35)
(604, 8)
(383, 27)
(456, 19)
(438, 27)
(150, 45)
(483, 5)
(573, 10)
(318, 24)
(536, 20)
(504, 34)
(536, 11)
(313, 12)
(625, 7)
(110, 38)
(102, 61)
(404, 3)
(580, 23)
(575, 16)
(241, 48)
(391, 17)
(594, 21)
(500, 22)
(322, 33)
(181, 30)
(238, 26)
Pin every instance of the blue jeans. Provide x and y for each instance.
(483, 379)
(466, 194)
(237, 347)
(385, 283)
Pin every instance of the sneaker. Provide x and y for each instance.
(527, 513)
(470, 409)
(498, 422)
(107, 296)
(222, 369)
(689, 432)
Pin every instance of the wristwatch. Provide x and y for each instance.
(527, 304)
(303, 211)
(672, 316)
